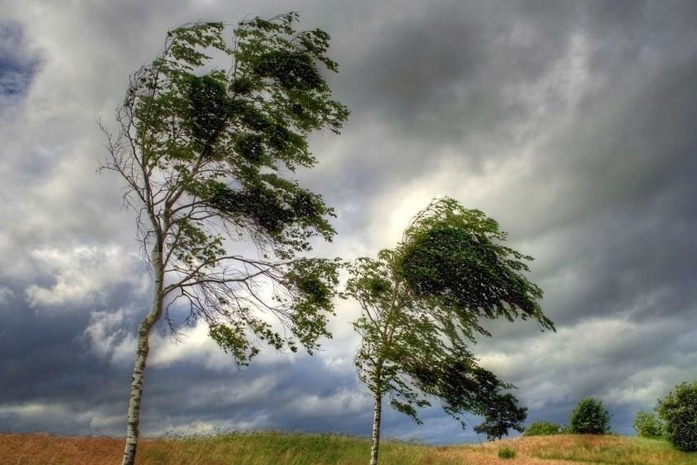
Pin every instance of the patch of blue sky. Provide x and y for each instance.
(18, 66)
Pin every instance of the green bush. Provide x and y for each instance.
(590, 417)
(679, 410)
(648, 425)
(506, 453)
(543, 428)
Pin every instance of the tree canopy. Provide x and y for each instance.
(590, 417)
(211, 133)
(453, 258)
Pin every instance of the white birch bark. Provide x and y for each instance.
(377, 413)
(375, 437)
(136, 390)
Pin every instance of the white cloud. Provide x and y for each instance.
(644, 387)
(35, 409)
(193, 345)
(82, 274)
(5, 294)
(107, 335)
(580, 359)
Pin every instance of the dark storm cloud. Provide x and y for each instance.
(439, 77)
(55, 377)
(304, 396)
(626, 196)
(631, 144)
(445, 80)
(442, 72)
(50, 375)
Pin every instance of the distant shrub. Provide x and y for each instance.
(590, 417)
(679, 410)
(506, 453)
(648, 425)
(543, 428)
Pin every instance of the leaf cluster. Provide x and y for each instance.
(648, 425)
(463, 386)
(453, 257)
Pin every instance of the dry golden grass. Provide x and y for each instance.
(294, 449)
(487, 454)
(35, 449)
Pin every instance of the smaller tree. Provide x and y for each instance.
(501, 415)
(421, 306)
(648, 425)
(679, 410)
(590, 417)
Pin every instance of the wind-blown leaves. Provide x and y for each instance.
(453, 255)
(421, 309)
(207, 155)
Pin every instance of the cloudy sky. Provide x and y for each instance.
(570, 122)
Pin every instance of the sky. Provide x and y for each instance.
(572, 123)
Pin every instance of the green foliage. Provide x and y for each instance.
(463, 386)
(679, 411)
(501, 414)
(648, 425)
(590, 417)
(506, 452)
(453, 257)
(208, 156)
(543, 428)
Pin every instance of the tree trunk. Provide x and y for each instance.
(135, 396)
(136, 391)
(375, 438)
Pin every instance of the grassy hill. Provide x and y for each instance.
(294, 449)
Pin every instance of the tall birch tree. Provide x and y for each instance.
(210, 134)
(422, 305)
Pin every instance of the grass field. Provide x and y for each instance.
(293, 449)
